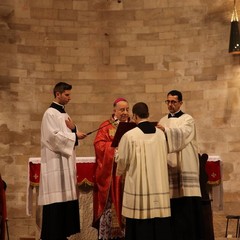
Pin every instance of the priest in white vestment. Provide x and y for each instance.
(142, 158)
(183, 167)
(58, 183)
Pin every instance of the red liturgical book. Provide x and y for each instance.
(122, 128)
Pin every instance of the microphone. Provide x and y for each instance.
(101, 127)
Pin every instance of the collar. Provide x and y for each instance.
(58, 107)
(143, 120)
(116, 120)
(175, 115)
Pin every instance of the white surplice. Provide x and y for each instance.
(183, 162)
(58, 159)
(143, 158)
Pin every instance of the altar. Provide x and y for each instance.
(85, 167)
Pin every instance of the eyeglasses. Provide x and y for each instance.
(172, 102)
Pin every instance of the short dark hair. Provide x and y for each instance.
(141, 110)
(61, 87)
(176, 93)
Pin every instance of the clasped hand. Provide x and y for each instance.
(71, 125)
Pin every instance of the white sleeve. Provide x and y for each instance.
(122, 156)
(55, 134)
(179, 137)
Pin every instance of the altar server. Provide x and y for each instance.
(58, 183)
(183, 167)
(142, 158)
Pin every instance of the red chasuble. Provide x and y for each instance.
(107, 184)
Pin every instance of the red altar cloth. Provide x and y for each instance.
(213, 169)
(85, 167)
(34, 173)
(85, 170)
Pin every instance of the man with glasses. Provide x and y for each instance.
(183, 167)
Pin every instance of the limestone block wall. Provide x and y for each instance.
(137, 49)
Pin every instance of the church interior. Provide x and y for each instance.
(136, 49)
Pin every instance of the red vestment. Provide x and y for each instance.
(107, 184)
(3, 210)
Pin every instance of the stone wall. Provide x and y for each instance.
(137, 49)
